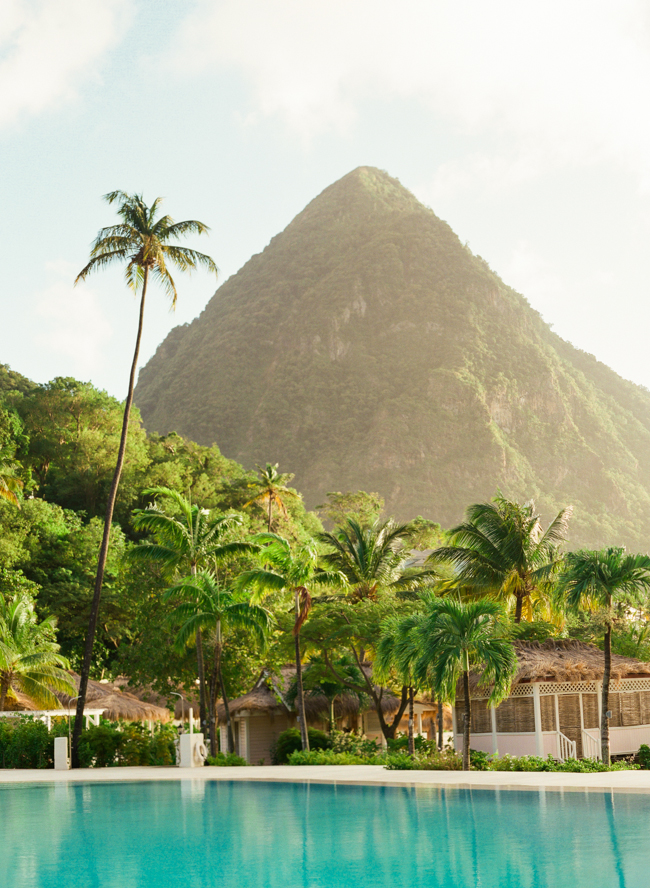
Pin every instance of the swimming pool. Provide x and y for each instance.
(270, 835)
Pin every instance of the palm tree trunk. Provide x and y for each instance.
(466, 722)
(214, 679)
(411, 722)
(300, 699)
(4, 690)
(226, 706)
(604, 723)
(441, 725)
(518, 608)
(103, 550)
(200, 666)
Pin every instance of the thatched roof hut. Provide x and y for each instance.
(117, 704)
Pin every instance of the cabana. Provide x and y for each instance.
(261, 715)
(554, 704)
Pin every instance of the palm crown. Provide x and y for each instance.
(142, 240)
(502, 549)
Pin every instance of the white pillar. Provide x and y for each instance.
(537, 710)
(191, 720)
(243, 738)
(420, 723)
(495, 740)
(61, 760)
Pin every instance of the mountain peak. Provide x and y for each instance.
(367, 348)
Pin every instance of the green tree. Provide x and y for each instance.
(205, 606)
(395, 655)
(187, 539)
(501, 550)
(272, 491)
(373, 557)
(29, 655)
(596, 579)
(365, 508)
(142, 240)
(450, 639)
(295, 572)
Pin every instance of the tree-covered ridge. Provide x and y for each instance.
(367, 348)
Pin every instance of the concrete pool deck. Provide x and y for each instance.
(354, 775)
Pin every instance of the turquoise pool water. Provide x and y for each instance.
(263, 835)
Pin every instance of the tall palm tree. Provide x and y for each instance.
(450, 639)
(10, 484)
(143, 240)
(502, 550)
(206, 606)
(272, 490)
(295, 572)
(597, 579)
(373, 556)
(187, 539)
(29, 655)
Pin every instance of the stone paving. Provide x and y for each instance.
(616, 781)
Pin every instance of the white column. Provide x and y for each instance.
(61, 760)
(420, 723)
(243, 738)
(495, 741)
(599, 703)
(537, 710)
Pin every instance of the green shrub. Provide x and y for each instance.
(330, 757)
(644, 756)
(401, 744)
(26, 743)
(226, 760)
(289, 741)
(353, 742)
(447, 760)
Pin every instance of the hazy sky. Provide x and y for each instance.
(526, 126)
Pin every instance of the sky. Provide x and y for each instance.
(524, 125)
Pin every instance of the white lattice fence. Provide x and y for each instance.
(546, 688)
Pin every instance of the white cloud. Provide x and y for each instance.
(47, 47)
(562, 81)
(69, 323)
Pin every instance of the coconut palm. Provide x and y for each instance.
(448, 640)
(295, 572)
(205, 606)
(187, 539)
(272, 491)
(10, 484)
(373, 556)
(143, 240)
(501, 550)
(597, 579)
(29, 655)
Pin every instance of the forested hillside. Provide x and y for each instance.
(366, 347)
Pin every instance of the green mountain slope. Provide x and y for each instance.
(366, 347)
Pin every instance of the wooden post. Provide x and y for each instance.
(537, 710)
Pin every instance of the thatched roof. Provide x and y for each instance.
(266, 696)
(566, 660)
(17, 702)
(117, 704)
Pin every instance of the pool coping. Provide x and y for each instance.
(351, 775)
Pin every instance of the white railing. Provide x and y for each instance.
(567, 748)
(590, 746)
